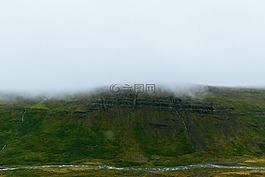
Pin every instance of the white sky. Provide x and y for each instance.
(77, 44)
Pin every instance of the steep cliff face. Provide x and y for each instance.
(134, 129)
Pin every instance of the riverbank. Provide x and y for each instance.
(103, 170)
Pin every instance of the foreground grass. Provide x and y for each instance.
(115, 173)
(67, 172)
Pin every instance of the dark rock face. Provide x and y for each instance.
(171, 104)
(17, 109)
(59, 113)
(79, 114)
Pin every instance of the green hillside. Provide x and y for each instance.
(127, 129)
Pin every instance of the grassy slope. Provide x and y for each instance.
(63, 131)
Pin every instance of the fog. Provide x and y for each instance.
(63, 45)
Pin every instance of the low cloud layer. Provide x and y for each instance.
(68, 45)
